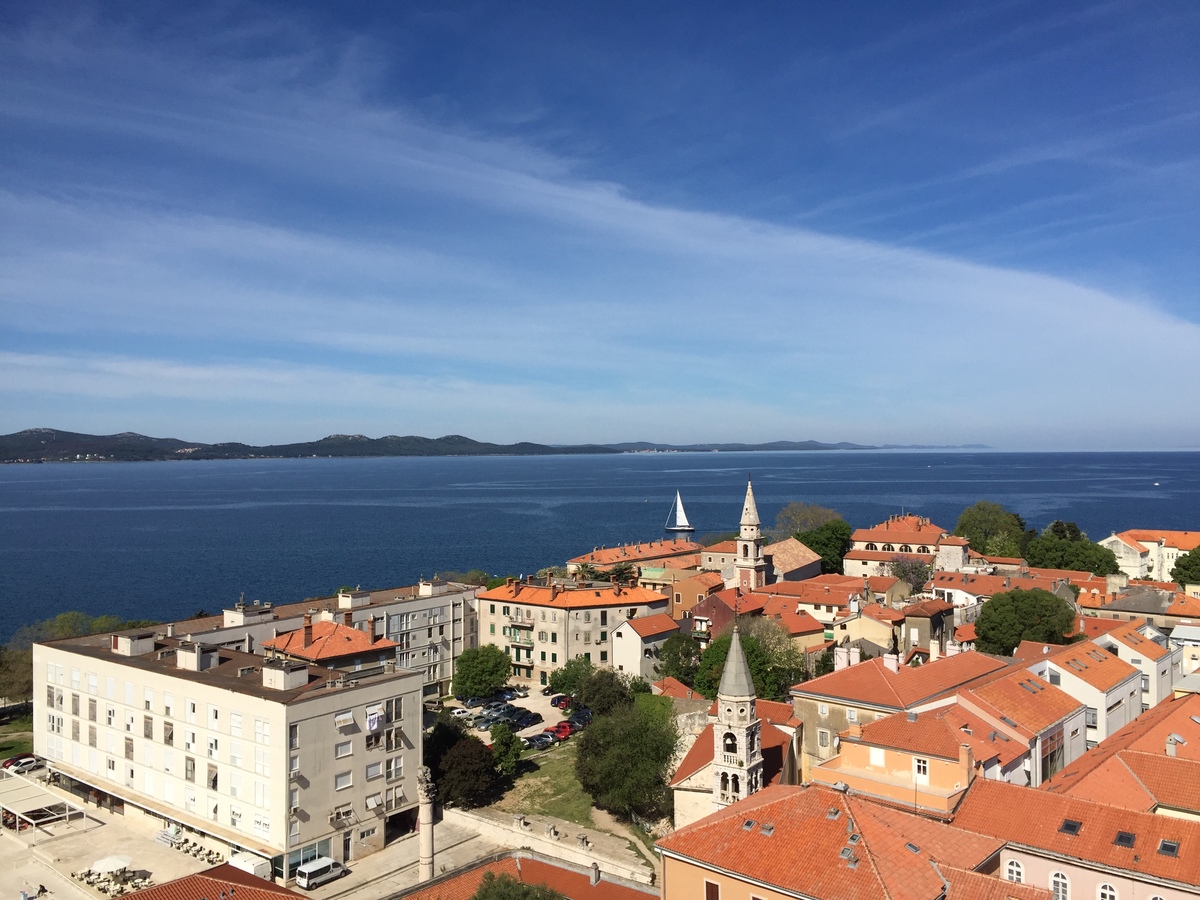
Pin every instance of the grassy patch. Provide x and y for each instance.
(547, 786)
(23, 723)
(13, 746)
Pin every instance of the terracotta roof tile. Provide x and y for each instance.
(870, 683)
(1184, 540)
(330, 640)
(637, 551)
(965, 632)
(1127, 633)
(568, 882)
(1086, 660)
(214, 882)
(653, 626)
(590, 596)
(822, 843)
(1035, 818)
(676, 689)
(790, 554)
(1026, 700)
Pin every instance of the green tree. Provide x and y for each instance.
(768, 683)
(830, 541)
(786, 661)
(505, 887)
(797, 518)
(481, 671)
(1023, 615)
(604, 691)
(679, 657)
(623, 758)
(1187, 568)
(574, 672)
(717, 537)
(913, 572)
(477, 577)
(824, 664)
(992, 530)
(621, 573)
(506, 749)
(1068, 531)
(1049, 551)
(587, 572)
(498, 581)
(466, 774)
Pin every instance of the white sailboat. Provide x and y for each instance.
(677, 519)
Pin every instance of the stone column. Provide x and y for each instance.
(426, 792)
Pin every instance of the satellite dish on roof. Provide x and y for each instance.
(1045, 649)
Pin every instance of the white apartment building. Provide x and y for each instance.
(273, 757)
(1150, 552)
(1146, 649)
(1109, 687)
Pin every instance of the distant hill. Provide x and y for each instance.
(36, 445)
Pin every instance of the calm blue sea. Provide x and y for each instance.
(162, 540)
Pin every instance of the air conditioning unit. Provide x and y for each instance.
(293, 810)
(293, 775)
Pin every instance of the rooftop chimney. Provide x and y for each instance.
(892, 662)
(348, 618)
(594, 879)
(307, 629)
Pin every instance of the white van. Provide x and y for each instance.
(316, 872)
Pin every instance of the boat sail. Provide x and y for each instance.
(677, 519)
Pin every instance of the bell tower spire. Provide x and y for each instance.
(750, 565)
(737, 750)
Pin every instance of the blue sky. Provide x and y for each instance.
(566, 222)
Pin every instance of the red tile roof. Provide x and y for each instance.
(879, 584)
(965, 633)
(330, 640)
(653, 626)
(790, 554)
(924, 609)
(560, 597)
(822, 843)
(676, 689)
(888, 555)
(636, 552)
(1127, 633)
(722, 547)
(768, 710)
(212, 883)
(1184, 540)
(1032, 704)
(568, 882)
(1032, 818)
(907, 529)
(871, 683)
(1086, 660)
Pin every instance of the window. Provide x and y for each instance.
(111, 717)
(394, 768)
(822, 737)
(822, 709)
(91, 710)
(168, 705)
(189, 769)
(553, 657)
(212, 777)
(189, 709)
(921, 770)
(712, 891)
(374, 770)
(169, 733)
(1106, 892)
(603, 656)
(129, 748)
(262, 731)
(91, 735)
(344, 748)
(1014, 872)
(147, 728)
(212, 748)
(852, 715)
(554, 637)
(1060, 886)
(262, 762)
(342, 780)
(214, 717)
(1168, 848)
(189, 740)
(603, 637)
(293, 737)
(1091, 717)
(235, 724)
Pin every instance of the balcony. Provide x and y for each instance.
(521, 640)
(520, 622)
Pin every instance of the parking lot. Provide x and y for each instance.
(535, 702)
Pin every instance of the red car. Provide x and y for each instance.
(560, 701)
(561, 731)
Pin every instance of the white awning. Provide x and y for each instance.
(342, 719)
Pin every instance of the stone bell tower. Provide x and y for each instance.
(751, 567)
(737, 750)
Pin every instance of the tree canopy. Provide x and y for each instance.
(796, 518)
(1023, 615)
(506, 749)
(992, 530)
(831, 541)
(1050, 551)
(911, 571)
(603, 691)
(679, 657)
(574, 672)
(623, 758)
(466, 773)
(481, 671)
(770, 681)
(505, 887)
(1187, 568)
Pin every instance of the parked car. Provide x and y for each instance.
(506, 693)
(562, 731)
(496, 706)
(572, 725)
(560, 701)
(547, 691)
(539, 741)
(472, 702)
(578, 724)
(22, 763)
(521, 691)
(462, 713)
(531, 718)
(583, 714)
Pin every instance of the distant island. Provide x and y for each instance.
(41, 445)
